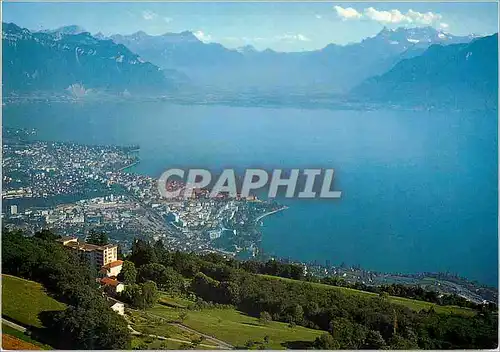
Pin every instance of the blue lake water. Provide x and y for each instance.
(419, 189)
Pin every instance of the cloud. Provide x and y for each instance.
(423, 18)
(444, 25)
(389, 16)
(318, 17)
(204, 37)
(168, 19)
(149, 15)
(347, 13)
(292, 37)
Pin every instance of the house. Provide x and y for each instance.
(117, 306)
(112, 269)
(111, 286)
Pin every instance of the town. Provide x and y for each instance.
(74, 188)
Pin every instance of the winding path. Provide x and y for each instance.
(219, 343)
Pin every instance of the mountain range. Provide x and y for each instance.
(333, 69)
(416, 66)
(62, 59)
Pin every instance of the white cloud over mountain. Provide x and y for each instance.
(393, 16)
(347, 13)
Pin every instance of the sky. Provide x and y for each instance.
(277, 25)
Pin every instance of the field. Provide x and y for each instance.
(236, 328)
(22, 300)
(410, 303)
(7, 330)
(13, 343)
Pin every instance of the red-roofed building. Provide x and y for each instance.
(111, 285)
(112, 269)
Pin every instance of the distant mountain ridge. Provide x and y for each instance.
(65, 30)
(60, 59)
(460, 75)
(416, 66)
(335, 68)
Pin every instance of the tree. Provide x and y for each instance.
(46, 235)
(297, 314)
(128, 274)
(398, 342)
(265, 318)
(151, 271)
(348, 335)
(140, 296)
(165, 277)
(374, 340)
(326, 342)
(160, 250)
(150, 293)
(142, 253)
(384, 295)
(97, 238)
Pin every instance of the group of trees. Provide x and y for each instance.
(143, 284)
(97, 238)
(349, 321)
(140, 296)
(88, 322)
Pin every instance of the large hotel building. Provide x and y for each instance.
(97, 255)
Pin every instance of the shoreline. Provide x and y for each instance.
(128, 166)
(270, 213)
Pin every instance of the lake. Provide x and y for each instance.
(419, 189)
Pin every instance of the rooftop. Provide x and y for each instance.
(66, 238)
(113, 264)
(109, 282)
(89, 247)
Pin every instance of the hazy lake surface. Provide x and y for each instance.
(419, 189)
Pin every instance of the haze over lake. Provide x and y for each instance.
(419, 189)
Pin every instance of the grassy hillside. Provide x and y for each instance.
(410, 303)
(235, 327)
(22, 300)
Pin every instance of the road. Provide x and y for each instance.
(13, 325)
(208, 337)
(137, 333)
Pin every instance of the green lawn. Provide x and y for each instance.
(237, 328)
(22, 300)
(410, 303)
(174, 302)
